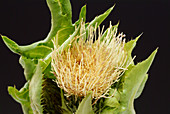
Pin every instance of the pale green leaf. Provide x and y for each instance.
(19, 96)
(28, 66)
(69, 40)
(108, 110)
(22, 97)
(129, 48)
(140, 89)
(45, 63)
(35, 90)
(63, 34)
(14, 47)
(61, 16)
(114, 93)
(132, 82)
(99, 19)
(31, 51)
(37, 53)
(46, 67)
(64, 107)
(111, 102)
(82, 14)
(85, 106)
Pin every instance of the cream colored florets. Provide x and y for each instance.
(90, 66)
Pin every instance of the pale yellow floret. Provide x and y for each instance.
(90, 66)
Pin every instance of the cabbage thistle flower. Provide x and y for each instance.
(86, 66)
(78, 68)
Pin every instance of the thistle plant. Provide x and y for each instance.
(79, 68)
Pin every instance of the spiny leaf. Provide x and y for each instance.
(133, 80)
(28, 66)
(46, 67)
(129, 48)
(45, 63)
(31, 51)
(61, 16)
(140, 89)
(14, 47)
(48, 74)
(99, 19)
(22, 97)
(85, 106)
(50, 97)
(82, 14)
(64, 107)
(112, 102)
(114, 93)
(69, 40)
(19, 96)
(63, 34)
(35, 90)
(38, 53)
(109, 110)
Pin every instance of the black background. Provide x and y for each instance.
(27, 21)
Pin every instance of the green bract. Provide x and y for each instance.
(41, 94)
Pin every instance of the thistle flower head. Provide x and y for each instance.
(90, 65)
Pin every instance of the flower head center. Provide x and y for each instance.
(90, 66)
